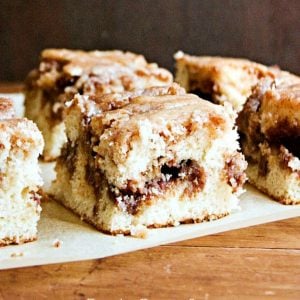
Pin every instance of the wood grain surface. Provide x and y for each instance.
(259, 262)
(262, 30)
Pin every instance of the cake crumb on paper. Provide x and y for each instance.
(139, 231)
(57, 243)
(17, 254)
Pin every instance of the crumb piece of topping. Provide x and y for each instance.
(17, 254)
(139, 231)
(57, 243)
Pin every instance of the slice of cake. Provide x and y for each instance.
(219, 79)
(20, 145)
(63, 73)
(148, 159)
(270, 137)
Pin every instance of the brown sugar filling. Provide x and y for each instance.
(288, 147)
(202, 88)
(68, 156)
(132, 198)
(171, 174)
(292, 145)
(282, 136)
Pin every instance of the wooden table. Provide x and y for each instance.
(257, 262)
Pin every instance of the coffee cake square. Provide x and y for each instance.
(20, 145)
(63, 73)
(153, 159)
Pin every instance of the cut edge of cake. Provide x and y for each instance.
(270, 137)
(20, 145)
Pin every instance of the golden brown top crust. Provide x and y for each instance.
(118, 100)
(97, 70)
(93, 104)
(77, 62)
(160, 109)
(81, 58)
(217, 62)
(220, 78)
(6, 108)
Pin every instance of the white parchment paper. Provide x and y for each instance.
(80, 241)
